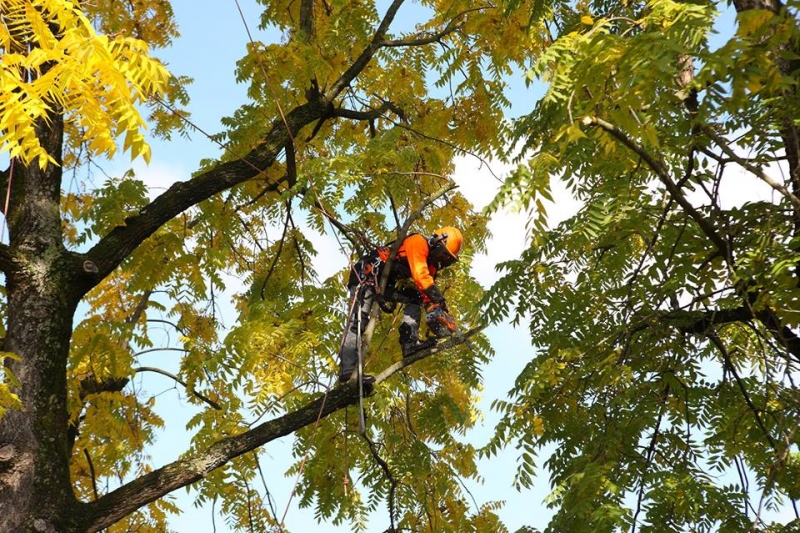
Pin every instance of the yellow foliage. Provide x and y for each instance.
(8, 399)
(53, 61)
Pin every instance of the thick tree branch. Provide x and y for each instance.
(112, 507)
(781, 333)
(663, 175)
(122, 240)
(705, 322)
(696, 322)
(366, 55)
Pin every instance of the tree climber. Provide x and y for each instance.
(419, 258)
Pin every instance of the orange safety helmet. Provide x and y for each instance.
(452, 239)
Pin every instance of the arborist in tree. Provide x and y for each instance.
(418, 258)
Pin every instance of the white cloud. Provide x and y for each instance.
(480, 182)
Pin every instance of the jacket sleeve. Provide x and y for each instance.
(416, 248)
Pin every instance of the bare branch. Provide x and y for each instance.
(167, 349)
(388, 473)
(351, 234)
(175, 378)
(419, 40)
(371, 114)
(663, 174)
(277, 254)
(91, 471)
(747, 165)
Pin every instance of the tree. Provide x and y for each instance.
(345, 123)
(664, 395)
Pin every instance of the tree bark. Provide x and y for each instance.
(40, 273)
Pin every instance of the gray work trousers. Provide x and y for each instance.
(362, 297)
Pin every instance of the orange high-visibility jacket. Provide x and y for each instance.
(411, 261)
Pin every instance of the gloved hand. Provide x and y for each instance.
(439, 321)
(434, 295)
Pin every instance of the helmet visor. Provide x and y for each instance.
(442, 257)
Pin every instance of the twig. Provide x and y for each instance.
(175, 378)
(663, 174)
(757, 172)
(278, 252)
(388, 473)
(91, 471)
(727, 359)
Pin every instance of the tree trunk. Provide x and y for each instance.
(42, 292)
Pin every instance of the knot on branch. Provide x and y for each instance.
(6, 453)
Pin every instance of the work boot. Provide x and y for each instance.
(415, 345)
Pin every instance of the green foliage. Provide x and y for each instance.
(663, 396)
